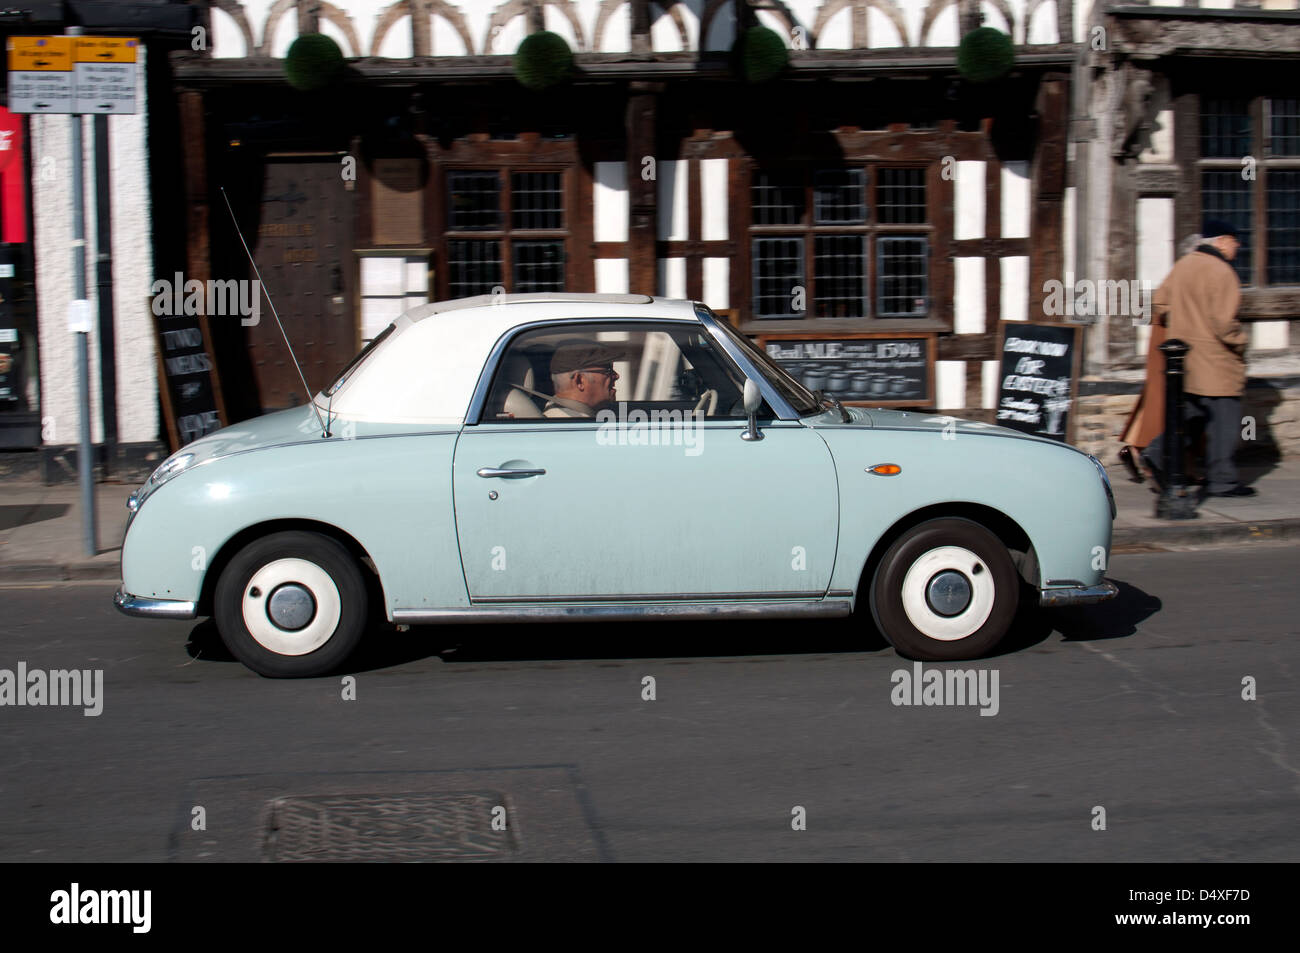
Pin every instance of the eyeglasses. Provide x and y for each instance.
(607, 371)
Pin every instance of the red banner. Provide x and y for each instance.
(13, 207)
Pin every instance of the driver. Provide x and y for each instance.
(583, 376)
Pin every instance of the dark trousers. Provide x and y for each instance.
(1219, 419)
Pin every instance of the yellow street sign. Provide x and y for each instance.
(105, 49)
(40, 54)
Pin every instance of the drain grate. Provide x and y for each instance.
(396, 827)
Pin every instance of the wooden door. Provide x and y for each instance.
(304, 252)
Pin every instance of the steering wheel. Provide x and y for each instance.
(709, 397)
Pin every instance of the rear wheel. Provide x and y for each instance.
(946, 589)
(291, 605)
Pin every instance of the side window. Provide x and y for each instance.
(588, 371)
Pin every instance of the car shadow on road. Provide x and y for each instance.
(383, 647)
(628, 640)
(1116, 618)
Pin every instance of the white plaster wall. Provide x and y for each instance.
(1082, 17)
(1161, 149)
(52, 192)
(136, 355)
(717, 282)
(713, 199)
(837, 33)
(672, 221)
(1067, 234)
(611, 201)
(611, 276)
(1042, 24)
(558, 23)
(944, 31)
(225, 39)
(968, 295)
(1015, 199)
(881, 31)
(993, 17)
(1269, 335)
(968, 199)
(672, 278)
(1155, 251)
(445, 39)
(989, 373)
(618, 31)
(950, 384)
(1014, 293)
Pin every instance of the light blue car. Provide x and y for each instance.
(522, 458)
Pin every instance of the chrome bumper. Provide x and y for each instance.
(153, 608)
(1077, 595)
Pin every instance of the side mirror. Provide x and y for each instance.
(753, 399)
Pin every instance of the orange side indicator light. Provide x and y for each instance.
(885, 469)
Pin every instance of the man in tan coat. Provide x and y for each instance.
(1201, 295)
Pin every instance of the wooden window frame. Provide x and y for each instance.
(937, 318)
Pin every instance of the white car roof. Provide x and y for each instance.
(425, 372)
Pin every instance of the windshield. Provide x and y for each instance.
(356, 361)
(801, 398)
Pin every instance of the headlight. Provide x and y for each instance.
(170, 467)
(1105, 481)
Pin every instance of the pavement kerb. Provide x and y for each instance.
(1185, 532)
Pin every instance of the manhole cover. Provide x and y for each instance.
(386, 827)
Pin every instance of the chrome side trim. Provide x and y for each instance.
(146, 608)
(1077, 595)
(644, 597)
(626, 613)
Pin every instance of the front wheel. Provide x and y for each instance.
(291, 605)
(945, 590)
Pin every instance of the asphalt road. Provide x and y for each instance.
(1134, 707)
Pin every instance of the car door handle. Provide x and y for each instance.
(497, 472)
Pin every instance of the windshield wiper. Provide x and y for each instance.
(831, 399)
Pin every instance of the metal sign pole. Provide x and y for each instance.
(80, 321)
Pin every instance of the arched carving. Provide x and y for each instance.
(519, 8)
(888, 7)
(235, 10)
(327, 10)
(344, 22)
(674, 11)
(280, 8)
(402, 8)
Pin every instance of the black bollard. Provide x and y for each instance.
(1175, 503)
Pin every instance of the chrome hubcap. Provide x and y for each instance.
(291, 607)
(948, 593)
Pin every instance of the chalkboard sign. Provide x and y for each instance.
(874, 370)
(191, 391)
(1040, 379)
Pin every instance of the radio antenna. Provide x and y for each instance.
(324, 428)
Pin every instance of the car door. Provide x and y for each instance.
(616, 507)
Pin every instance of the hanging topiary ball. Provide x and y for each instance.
(985, 54)
(313, 62)
(759, 54)
(543, 60)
